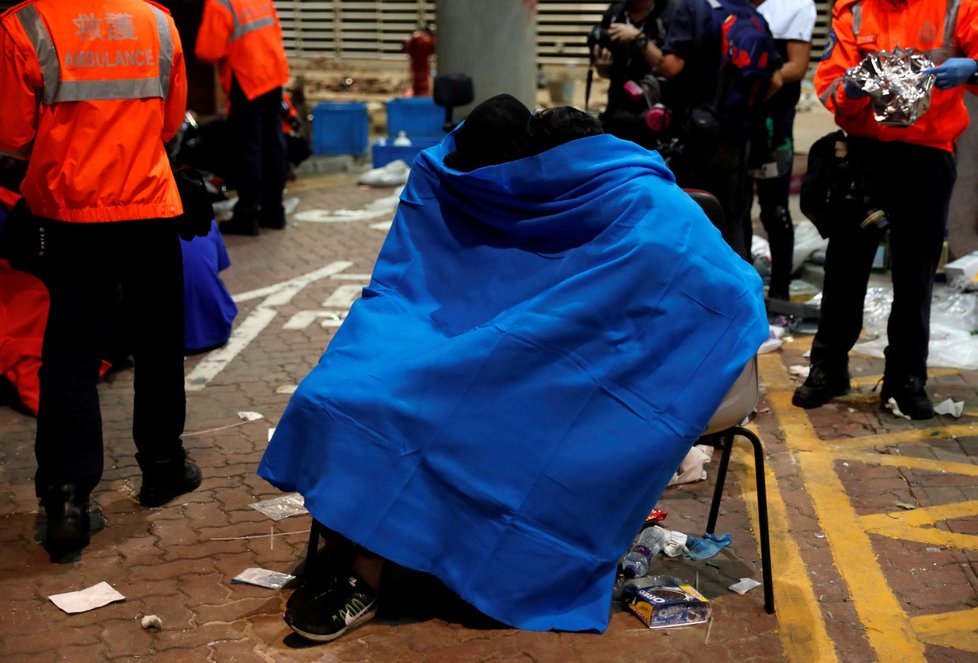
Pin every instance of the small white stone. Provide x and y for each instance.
(151, 621)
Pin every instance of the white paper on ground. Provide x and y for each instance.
(87, 599)
(250, 416)
(744, 585)
(951, 407)
(282, 507)
(271, 431)
(263, 578)
(799, 371)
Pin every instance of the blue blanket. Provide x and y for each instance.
(539, 346)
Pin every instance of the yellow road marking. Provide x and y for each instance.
(926, 464)
(950, 629)
(800, 624)
(887, 627)
(908, 436)
(917, 525)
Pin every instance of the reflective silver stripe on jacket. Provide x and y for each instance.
(239, 28)
(57, 90)
(36, 31)
(830, 91)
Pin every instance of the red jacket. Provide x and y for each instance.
(884, 25)
(244, 38)
(91, 92)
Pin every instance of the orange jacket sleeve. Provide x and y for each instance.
(214, 33)
(20, 77)
(840, 54)
(176, 98)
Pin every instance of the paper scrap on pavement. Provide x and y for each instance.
(744, 585)
(895, 409)
(87, 599)
(250, 416)
(282, 507)
(799, 371)
(263, 578)
(271, 431)
(953, 408)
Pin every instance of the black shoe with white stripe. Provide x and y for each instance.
(342, 606)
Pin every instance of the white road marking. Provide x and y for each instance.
(276, 295)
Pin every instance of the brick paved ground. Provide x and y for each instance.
(177, 561)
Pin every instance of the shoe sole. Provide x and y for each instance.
(360, 619)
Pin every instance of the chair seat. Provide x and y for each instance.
(738, 403)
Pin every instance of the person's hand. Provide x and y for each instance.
(954, 72)
(851, 87)
(623, 32)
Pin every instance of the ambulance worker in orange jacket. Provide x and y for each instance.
(909, 173)
(92, 90)
(245, 39)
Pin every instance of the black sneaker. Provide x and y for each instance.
(340, 608)
(240, 225)
(821, 386)
(162, 485)
(909, 395)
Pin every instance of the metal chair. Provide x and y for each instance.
(726, 425)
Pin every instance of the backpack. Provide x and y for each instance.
(747, 50)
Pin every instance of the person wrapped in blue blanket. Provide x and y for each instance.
(549, 326)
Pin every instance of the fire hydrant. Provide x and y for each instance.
(420, 46)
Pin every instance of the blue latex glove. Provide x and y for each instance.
(954, 72)
(851, 87)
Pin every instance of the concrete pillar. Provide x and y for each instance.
(962, 221)
(494, 42)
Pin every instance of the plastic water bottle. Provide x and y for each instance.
(402, 140)
(635, 564)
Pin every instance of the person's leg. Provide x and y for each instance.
(245, 128)
(772, 197)
(917, 212)
(153, 292)
(273, 158)
(68, 445)
(848, 263)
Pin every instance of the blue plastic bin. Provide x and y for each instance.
(383, 154)
(340, 128)
(418, 117)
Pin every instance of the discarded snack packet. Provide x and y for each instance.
(660, 606)
(655, 516)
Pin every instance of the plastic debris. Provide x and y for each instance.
(282, 507)
(263, 578)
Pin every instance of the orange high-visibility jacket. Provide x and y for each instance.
(245, 39)
(91, 90)
(861, 27)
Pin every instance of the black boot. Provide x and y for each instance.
(822, 385)
(909, 394)
(68, 522)
(164, 480)
(240, 225)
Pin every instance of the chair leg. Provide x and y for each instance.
(764, 534)
(725, 449)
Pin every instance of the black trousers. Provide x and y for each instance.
(722, 171)
(912, 184)
(772, 197)
(88, 266)
(260, 166)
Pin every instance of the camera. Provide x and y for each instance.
(598, 36)
(850, 195)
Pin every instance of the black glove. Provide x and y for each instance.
(198, 213)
